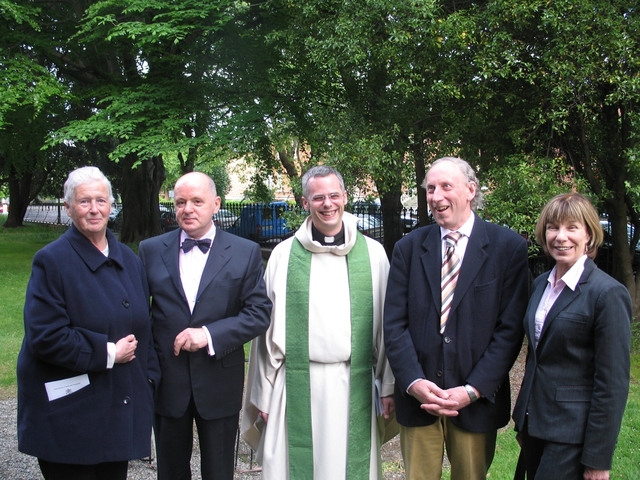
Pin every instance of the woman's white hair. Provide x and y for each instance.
(82, 176)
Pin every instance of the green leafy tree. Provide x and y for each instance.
(568, 75)
(31, 105)
(145, 83)
(362, 85)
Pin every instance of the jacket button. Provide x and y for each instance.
(447, 340)
(125, 304)
(439, 373)
(126, 400)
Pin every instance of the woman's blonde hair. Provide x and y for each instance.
(566, 207)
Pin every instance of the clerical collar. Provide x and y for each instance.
(321, 238)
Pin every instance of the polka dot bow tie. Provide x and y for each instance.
(203, 244)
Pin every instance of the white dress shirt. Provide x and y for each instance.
(461, 246)
(192, 266)
(554, 289)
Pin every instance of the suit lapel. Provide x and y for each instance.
(170, 257)
(566, 298)
(474, 258)
(530, 319)
(432, 263)
(219, 255)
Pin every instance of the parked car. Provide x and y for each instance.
(114, 220)
(224, 218)
(605, 252)
(408, 217)
(362, 208)
(371, 226)
(409, 222)
(167, 219)
(262, 223)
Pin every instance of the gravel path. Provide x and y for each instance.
(17, 466)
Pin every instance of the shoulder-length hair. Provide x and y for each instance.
(567, 207)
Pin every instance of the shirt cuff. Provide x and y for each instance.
(210, 350)
(412, 383)
(111, 354)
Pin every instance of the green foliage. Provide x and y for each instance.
(214, 165)
(259, 192)
(568, 74)
(520, 186)
(635, 344)
(377, 89)
(24, 80)
(294, 218)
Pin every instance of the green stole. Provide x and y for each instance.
(298, 387)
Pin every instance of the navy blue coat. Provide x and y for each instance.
(77, 300)
(483, 333)
(577, 378)
(231, 302)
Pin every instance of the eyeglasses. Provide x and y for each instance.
(333, 197)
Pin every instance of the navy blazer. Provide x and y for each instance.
(484, 332)
(231, 302)
(77, 300)
(577, 378)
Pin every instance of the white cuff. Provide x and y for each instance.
(111, 354)
(210, 350)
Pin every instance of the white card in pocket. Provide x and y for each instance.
(61, 388)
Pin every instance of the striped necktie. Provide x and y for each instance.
(450, 270)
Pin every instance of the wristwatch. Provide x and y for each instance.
(472, 394)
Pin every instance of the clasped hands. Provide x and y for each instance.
(437, 401)
(190, 340)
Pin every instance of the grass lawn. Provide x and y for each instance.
(17, 247)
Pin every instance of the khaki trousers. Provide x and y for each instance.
(469, 453)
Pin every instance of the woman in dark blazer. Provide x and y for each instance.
(576, 380)
(87, 367)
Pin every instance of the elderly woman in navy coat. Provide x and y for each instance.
(576, 381)
(87, 367)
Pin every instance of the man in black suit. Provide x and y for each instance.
(451, 369)
(206, 304)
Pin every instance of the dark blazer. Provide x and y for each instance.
(77, 300)
(577, 378)
(231, 302)
(484, 331)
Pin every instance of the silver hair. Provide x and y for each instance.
(468, 172)
(319, 171)
(82, 176)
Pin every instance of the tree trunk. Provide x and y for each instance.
(622, 260)
(19, 198)
(287, 160)
(421, 172)
(140, 198)
(392, 224)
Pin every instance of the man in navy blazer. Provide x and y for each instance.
(452, 388)
(206, 304)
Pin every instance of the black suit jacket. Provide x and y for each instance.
(484, 331)
(577, 378)
(232, 303)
